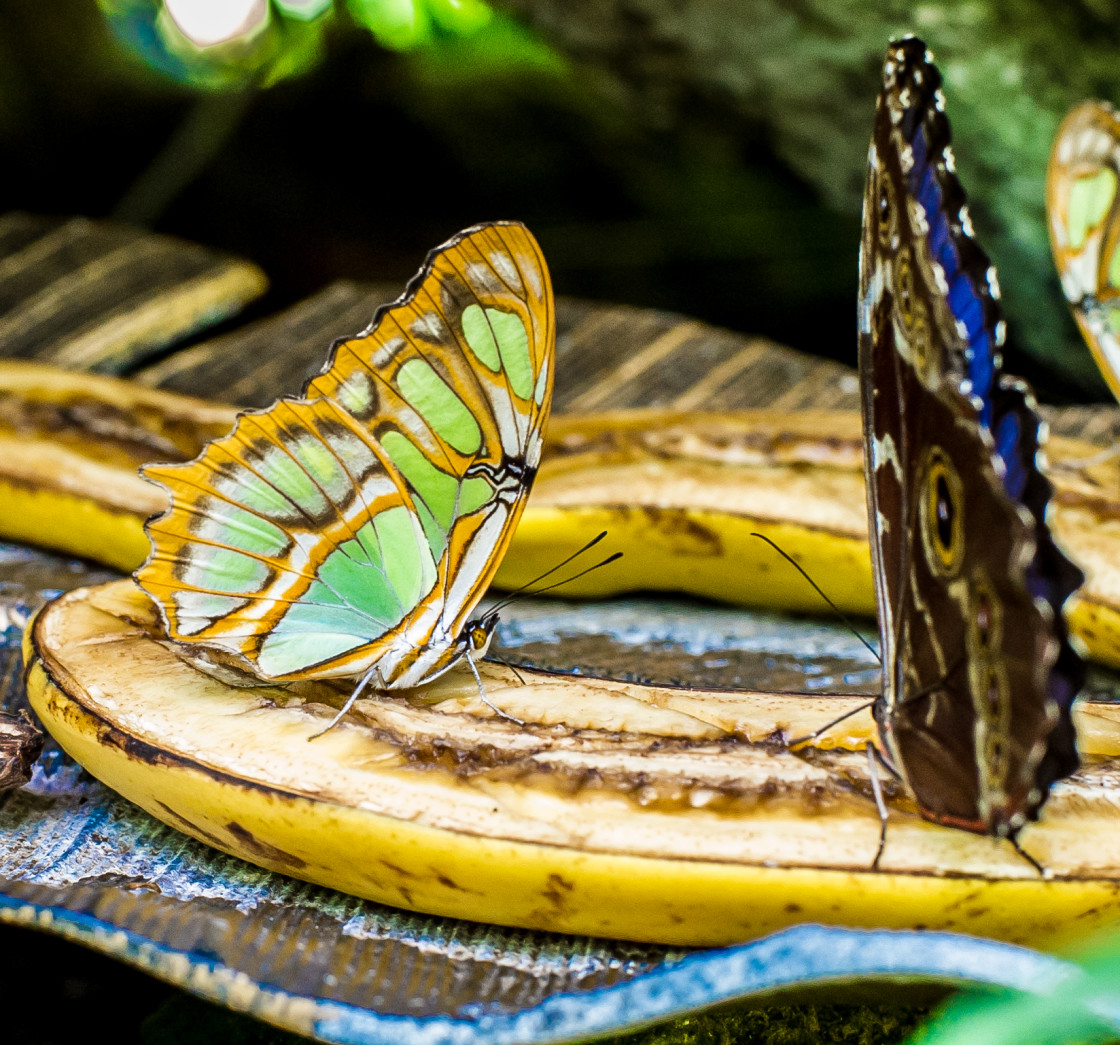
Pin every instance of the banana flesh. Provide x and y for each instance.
(621, 810)
(680, 493)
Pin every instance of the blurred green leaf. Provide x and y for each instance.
(1076, 1010)
(397, 24)
(220, 44)
(461, 17)
(304, 10)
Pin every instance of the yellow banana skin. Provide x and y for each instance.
(680, 494)
(71, 445)
(620, 810)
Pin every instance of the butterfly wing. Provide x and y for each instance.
(360, 524)
(1083, 212)
(979, 675)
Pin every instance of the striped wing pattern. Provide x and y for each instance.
(358, 526)
(1083, 210)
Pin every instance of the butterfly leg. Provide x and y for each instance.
(827, 726)
(357, 691)
(1043, 872)
(482, 693)
(880, 804)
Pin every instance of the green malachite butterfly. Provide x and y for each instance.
(352, 531)
(1083, 209)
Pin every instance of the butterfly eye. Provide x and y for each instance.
(945, 511)
(479, 636)
(942, 521)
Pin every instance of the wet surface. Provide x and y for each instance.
(686, 643)
(69, 843)
(29, 579)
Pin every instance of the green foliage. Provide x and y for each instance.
(285, 38)
(405, 24)
(807, 71)
(1081, 1009)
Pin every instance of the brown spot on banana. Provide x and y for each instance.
(269, 855)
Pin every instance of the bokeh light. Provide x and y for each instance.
(221, 44)
(208, 22)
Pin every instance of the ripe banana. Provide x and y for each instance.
(679, 493)
(619, 810)
(71, 444)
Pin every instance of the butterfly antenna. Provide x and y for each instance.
(817, 588)
(507, 664)
(798, 741)
(559, 566)
(560, 584)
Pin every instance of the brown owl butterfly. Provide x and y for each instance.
(978, 673)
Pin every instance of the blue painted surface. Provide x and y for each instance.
(763, 970)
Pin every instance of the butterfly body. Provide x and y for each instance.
(1083, 211)
(351, 531)
(978, 675)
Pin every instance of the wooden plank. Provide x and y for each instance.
(255, 364)
(91, 295)
(609, 356)
(1098, 423)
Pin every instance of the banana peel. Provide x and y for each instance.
(620, 810)
(681, 493)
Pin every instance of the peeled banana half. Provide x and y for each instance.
(621, 810)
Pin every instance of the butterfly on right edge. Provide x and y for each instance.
(979, 676)
(1083, 213)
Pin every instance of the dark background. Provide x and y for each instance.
(705, 157)
(363, 162)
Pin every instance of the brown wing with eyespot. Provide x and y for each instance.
(978, 673)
